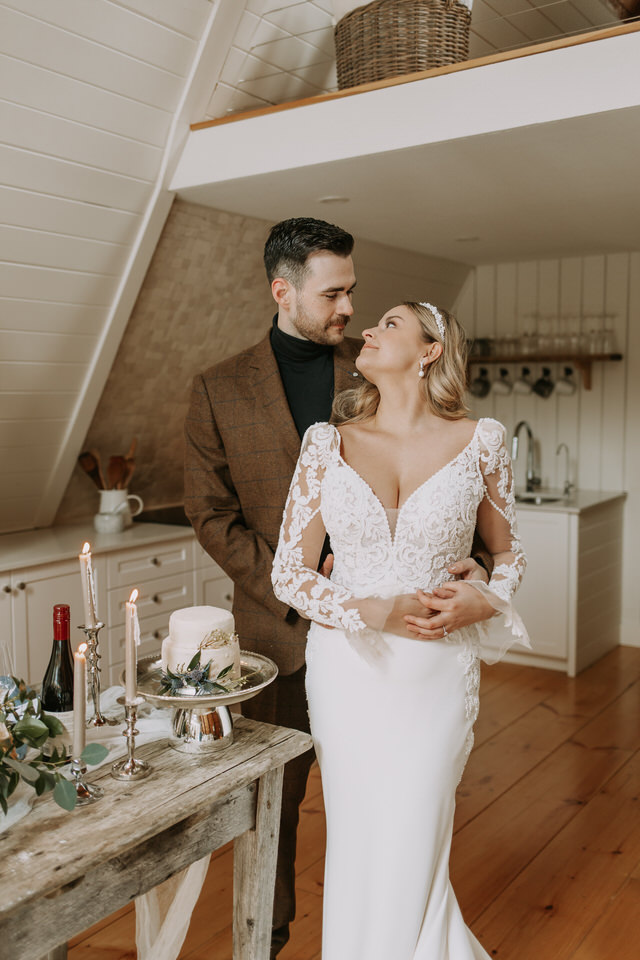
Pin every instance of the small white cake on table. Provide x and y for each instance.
(211, 630)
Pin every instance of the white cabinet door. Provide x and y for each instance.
(35, 592)
(6, 619)
(212, 589)
(545, 595)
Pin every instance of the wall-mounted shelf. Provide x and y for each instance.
(582, 361)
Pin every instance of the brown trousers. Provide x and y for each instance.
(284, 703)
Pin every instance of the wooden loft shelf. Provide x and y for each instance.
(528, 51)
(582, 361)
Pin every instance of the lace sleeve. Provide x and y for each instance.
(497, 526)
(294, 576)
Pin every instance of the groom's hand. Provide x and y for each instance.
(468, 570)
(327, 566)
(456, 605)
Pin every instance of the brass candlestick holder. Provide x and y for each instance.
(131, 768)
(85, 792)
(93, 674)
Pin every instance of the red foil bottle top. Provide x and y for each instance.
(61, 621)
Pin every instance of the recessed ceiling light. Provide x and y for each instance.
(333, 199)
(466, 239)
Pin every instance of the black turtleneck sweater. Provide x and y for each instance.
(306, 369)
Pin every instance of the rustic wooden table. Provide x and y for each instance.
(62, 872)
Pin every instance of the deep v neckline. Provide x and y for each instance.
(420, 486)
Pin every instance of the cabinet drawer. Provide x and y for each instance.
(159, 596)
(132, 567)
(215, 591)
(153, 630)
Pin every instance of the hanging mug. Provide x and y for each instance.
(566, 385)
(523, 384)
(543, 386)
(503, 385)
(481, 384)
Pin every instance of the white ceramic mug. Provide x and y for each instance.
(117, 501)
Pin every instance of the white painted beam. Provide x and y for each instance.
(589, 78)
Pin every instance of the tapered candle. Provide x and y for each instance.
(79, 699)
(88, 586)
(132, 639)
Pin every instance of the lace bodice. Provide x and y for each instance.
(434, 527)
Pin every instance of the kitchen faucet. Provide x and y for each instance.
(568, 486)
(532, 480)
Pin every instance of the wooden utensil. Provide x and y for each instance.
(90, 466)
(96, 457)
(116, 472)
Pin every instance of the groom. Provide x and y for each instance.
(243, 430)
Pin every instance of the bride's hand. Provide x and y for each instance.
(455, 605)
(405, 608)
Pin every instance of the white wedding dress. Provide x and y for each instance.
(392, 718)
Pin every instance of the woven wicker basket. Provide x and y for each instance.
(389, 38)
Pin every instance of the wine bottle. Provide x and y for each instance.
(57, 686)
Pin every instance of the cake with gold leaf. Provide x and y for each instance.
(209, 632)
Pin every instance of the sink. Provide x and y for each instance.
(537, 498)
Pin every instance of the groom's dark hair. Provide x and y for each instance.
(291, 242)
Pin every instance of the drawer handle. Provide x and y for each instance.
(156, 598)
(6, 588)
(21, 585)
(228, 597)
(156, 634)
(155, 561)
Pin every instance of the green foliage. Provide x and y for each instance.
(94, 753)
(24, 724)
(197, 677)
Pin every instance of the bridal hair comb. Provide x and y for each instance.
(438, 316)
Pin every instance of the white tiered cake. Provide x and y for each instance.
(208, 629)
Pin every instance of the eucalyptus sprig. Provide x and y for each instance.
(24, 725)
(197, 677)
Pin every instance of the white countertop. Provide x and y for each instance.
(33, 547)
(579, 501)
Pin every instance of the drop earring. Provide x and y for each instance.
(422, 363)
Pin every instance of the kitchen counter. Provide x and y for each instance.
(34, 547)
(579, 502)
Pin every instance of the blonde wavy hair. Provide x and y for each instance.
(444, 383)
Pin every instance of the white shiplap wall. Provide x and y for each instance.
(89, 92)
(600, 426)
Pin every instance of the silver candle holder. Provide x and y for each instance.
(130, 768)
(85, 792)
(93, 676)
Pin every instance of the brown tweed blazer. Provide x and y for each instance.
(242, 447)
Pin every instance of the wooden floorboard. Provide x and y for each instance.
(546, 851)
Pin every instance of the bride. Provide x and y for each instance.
(398, 480)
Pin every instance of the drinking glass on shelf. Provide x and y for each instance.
(608, 340)
(545, 335)
(595, 341)
(526, 343)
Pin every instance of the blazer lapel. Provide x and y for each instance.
(345, 375)
(269, 392)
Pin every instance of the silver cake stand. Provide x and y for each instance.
(203, 723)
